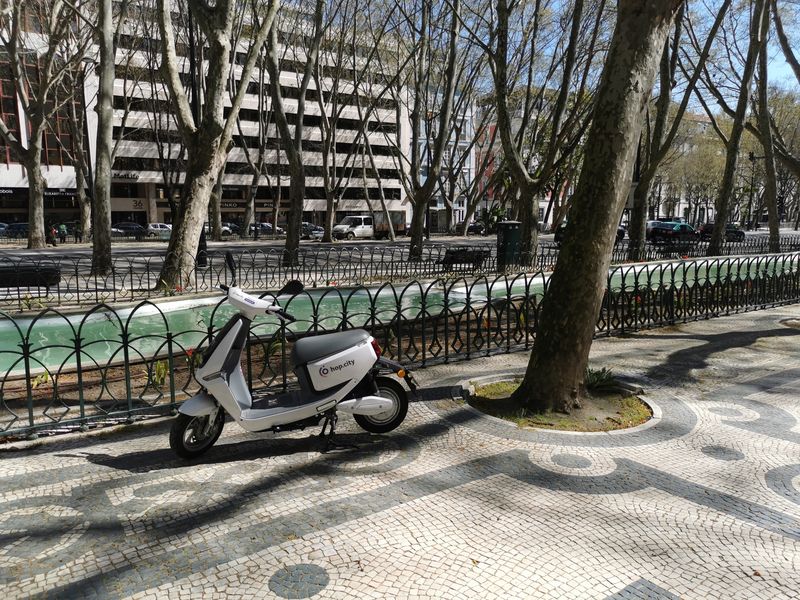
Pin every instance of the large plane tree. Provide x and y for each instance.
(556, 371)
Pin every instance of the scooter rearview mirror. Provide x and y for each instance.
(231, 266)
(292, 288)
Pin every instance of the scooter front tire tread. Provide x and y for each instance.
(368, 424)
(178, 429)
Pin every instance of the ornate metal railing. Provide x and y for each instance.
(64, 280)
(64, 371)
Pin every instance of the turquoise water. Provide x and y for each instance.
(52, 337)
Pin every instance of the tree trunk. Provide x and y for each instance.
(722, 207)
(637, 227)
(216, 209)
(557, 368)
(417, 232)
(330, 210)
(297, 193)
(249, 209)
(101, 215)
(770, 177)
(330, 221)
(36, 237)
(529, 224)
(179, 263)
(84, 201)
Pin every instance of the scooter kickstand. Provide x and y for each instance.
(331, 418)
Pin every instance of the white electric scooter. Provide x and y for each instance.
(341, 371)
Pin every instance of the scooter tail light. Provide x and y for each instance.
(376, 346)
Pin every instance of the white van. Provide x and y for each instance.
(351, 228)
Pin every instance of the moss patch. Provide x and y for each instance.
(601, 411)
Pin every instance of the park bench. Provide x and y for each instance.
(15, 276)
(464, 256)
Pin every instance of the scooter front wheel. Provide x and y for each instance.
(191, 436)
(389, 419)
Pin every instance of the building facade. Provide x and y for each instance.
(148, 165)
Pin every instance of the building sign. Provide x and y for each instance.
(229, 204)
(59, 193)
(267, 205)
(125, 175)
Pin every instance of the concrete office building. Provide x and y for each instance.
(142, 122)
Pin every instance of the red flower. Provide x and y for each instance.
(189, 352)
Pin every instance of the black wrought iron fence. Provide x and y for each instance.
(28, 283)
(64, 371)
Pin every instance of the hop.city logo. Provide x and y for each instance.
(325, 370)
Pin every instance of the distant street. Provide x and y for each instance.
(157, 248)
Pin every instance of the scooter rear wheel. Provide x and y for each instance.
(390, 419)
(191, 436)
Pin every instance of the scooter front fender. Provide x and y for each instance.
(199, 405)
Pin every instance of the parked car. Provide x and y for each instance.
(733, 233)
(3, 227)
(225, 229)
(474, 228)
(130, 229)
(265, 229)
(663, 231)
(232, 228)
(561, 231)
(354, 227)
(309, 231)
(17, 230)
(162, 231)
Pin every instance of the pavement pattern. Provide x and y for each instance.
(701, 502)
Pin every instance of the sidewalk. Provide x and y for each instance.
(704, 502)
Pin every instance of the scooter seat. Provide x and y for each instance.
(313, 348)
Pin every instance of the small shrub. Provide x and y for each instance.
(160, 371)
(600, 380)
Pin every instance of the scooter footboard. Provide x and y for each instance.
(198, 405)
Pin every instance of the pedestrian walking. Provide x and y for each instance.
(62, 233)
(50, 235)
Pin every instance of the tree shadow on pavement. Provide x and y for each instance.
(679, 364)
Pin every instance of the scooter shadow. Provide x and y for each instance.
(353, 446)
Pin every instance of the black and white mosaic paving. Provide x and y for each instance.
(703, 503)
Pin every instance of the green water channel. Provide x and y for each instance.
(52, 338)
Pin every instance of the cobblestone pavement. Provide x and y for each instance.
(703, 502)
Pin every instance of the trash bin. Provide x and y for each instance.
(509, 236)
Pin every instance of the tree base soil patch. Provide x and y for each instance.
(601, 411)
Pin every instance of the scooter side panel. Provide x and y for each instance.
(198, 405)
(348, 365)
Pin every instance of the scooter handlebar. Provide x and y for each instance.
(282, 314)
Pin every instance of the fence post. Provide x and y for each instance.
(126, 357)
(171, 363)
(26, 359)
(79, 368)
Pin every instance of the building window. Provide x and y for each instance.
(124, 190)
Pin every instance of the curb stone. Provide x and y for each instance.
(468, 389)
